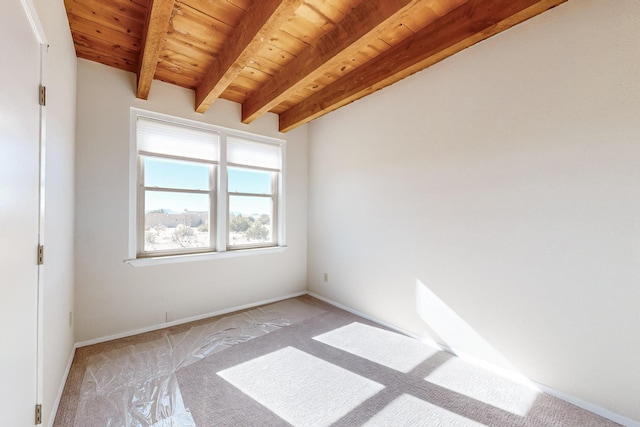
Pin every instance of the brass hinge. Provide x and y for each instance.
(40, 254)
(43, 95)
(38, 414)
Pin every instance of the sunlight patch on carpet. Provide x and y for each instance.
(488, 387)
(300, 388)
(410, 411)
(387, 348)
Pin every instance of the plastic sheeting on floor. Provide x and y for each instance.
(136, 386)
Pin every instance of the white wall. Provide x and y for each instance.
(113, 297)
(58, 271)
(498, 190)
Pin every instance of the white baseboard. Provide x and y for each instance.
(502, 371)
(442, 347)
(63, 382)
(186, 320)
(605, 413)
(628, 422)
(425, 340)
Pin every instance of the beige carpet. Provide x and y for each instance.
(299, 362)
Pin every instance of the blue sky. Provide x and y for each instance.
(195, 176)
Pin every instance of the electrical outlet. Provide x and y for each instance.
(168, 316)
(326, 278)
(71, 319)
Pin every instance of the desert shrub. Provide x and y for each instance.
(151, 235)
(183, 231)
(182, 235)
(257, 231)
(264, 219)
(239, 223)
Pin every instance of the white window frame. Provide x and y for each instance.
(219, 214)
(142, 189)
(250, 165)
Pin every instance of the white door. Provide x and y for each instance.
(19, 214)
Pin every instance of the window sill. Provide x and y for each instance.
(174, 259)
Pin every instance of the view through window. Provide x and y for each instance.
(191, 200)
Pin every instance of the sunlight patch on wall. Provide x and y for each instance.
(488, 387)
(387, 348)
(409, 411)
(454, 330)
(300, 388)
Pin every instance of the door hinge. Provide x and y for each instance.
(38, 414)
(40, 254)
(43, 95)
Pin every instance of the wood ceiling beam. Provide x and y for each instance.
(261, 21)
(368, 19)
(466, 25)
(155, 29)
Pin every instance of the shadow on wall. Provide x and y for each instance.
(451, 330)
(516, 397)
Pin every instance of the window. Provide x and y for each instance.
(177, 176)
(253, 169)
(203, 189)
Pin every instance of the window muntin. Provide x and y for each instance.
(194, 179)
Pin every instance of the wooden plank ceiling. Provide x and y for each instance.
(297, 58)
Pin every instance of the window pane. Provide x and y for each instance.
(176, 221)
(250, 220)
(168, 173)
(249, 181)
